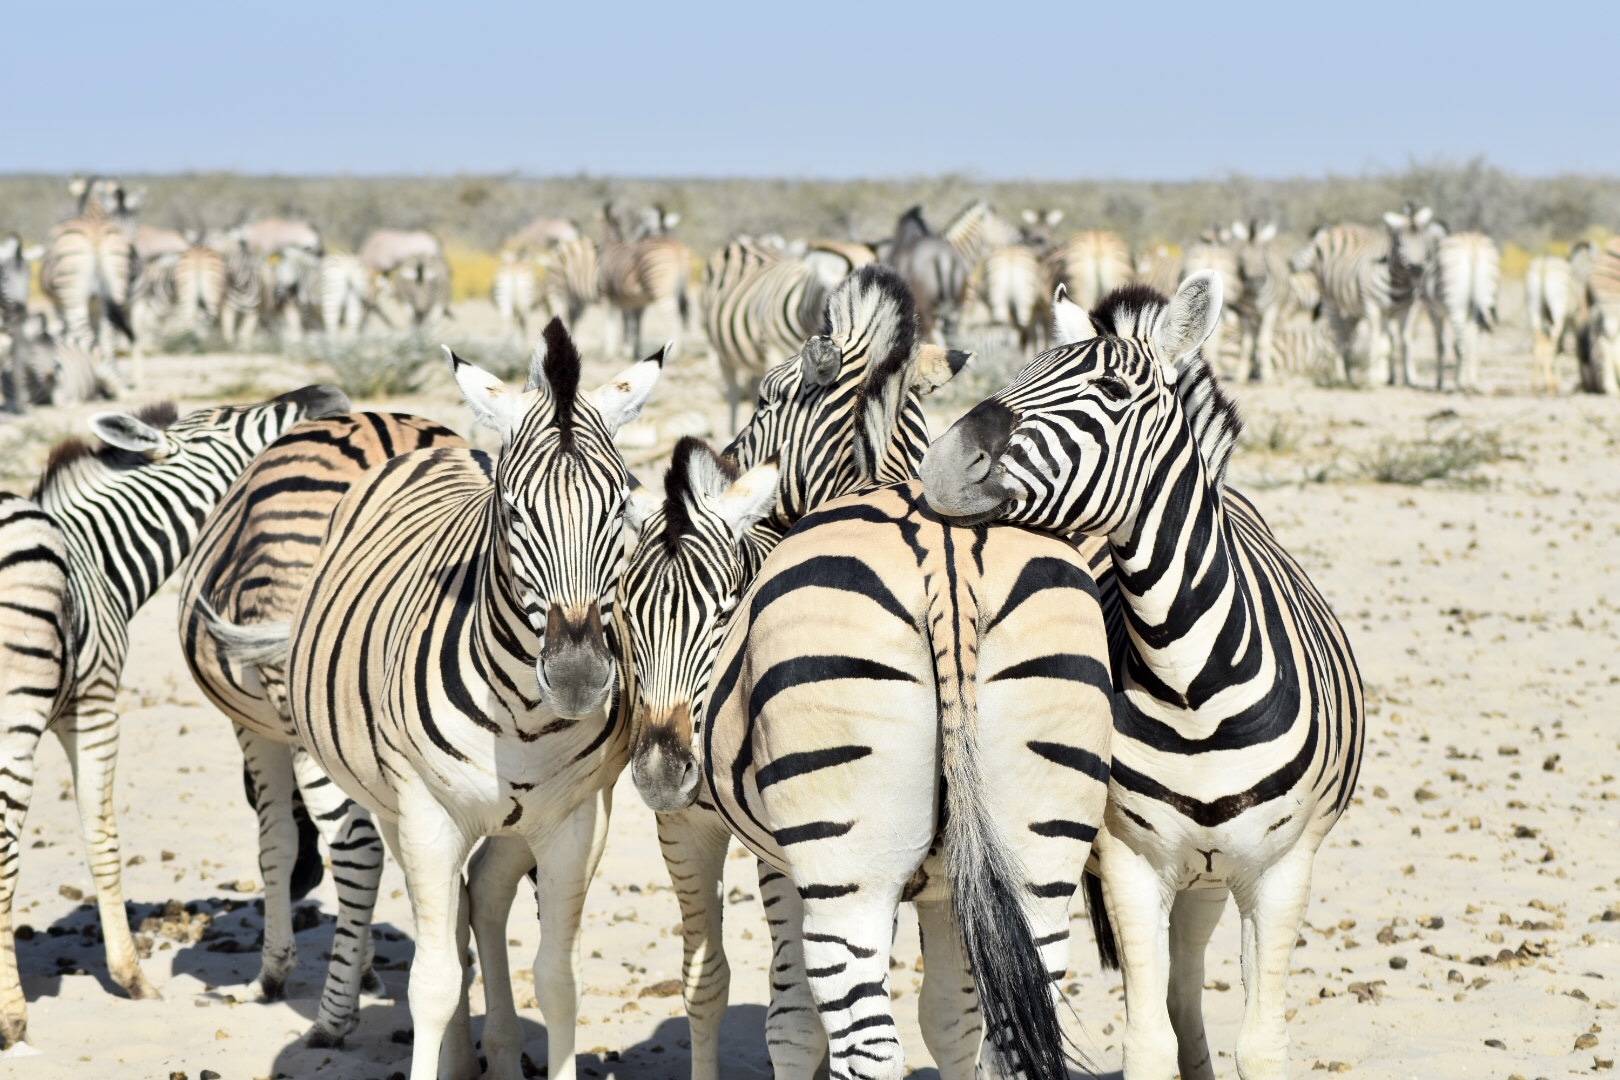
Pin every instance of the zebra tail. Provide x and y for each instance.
(119, 318)
(988, 884)
(1102, 927)
(255, 644)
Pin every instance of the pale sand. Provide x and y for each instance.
(1484, 620)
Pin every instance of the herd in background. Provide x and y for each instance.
(1341, 305)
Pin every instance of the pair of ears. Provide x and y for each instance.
(1265, 234)
(932, 366)
(1421, 218)
(741, 503)
(1179, 328)
(497, 406)
(1040, 217)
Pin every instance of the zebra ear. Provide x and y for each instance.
(1031, 217)
(1268, 232)
(1394, 220)
(935, 365)
(1187, 323)
(1240, 232)
(537, 366)
(1053, 216)
(641, 505)
(749, 498)
(1422, 218)
(1070, 323)
(493, 403)
(125, 432)
(620, 399)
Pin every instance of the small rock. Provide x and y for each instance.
(1496, 1044)
(71, 892)
(1431, 922)
(1585, 1041)
(1398, 963)
(666, 988)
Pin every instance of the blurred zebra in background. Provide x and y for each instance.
(1351, 265)
(977, 230)
(249, 291)
(933, 270)
(1600, 340)
(515, 290)
(834, 260)
(348, 295)
(572, 282)
(651, 268)
(758, 308)
(422, 284)
(89, 263)
(1091, 264)
(1260, 293)
(1214, 251)
(1555, 307)
(1014, 282)
(16, 271)
(1451, 276)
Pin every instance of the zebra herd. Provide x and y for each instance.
(1048, 652)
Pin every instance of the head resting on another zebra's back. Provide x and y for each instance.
(557, 450)
(1095, 395)
(830, 417)
(695, 551)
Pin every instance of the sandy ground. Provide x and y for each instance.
(1465, 917)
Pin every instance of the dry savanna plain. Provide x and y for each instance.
(1465, 919)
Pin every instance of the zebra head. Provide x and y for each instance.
(694, 554)
(1414, 233)
(16, 261)
(1071, 444)
(1251, 244)
(844, 414)
(558, 512)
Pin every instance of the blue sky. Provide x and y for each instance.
(997, 90)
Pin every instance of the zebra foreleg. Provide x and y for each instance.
(269, 764)
(90, 738)
(1192, 920)
(431, 847)
(493, 876)
(567, 860)
(948, 1004)
(19, 739)
(1138, 899)
(694, 844)
(793, 1035)
(1272, 906)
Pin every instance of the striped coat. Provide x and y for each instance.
(1451, 276)
(253, 556)
(1091, 264)
(633, 275)
(758, 309)
(1600, 341)
(103, 530)
(1239, 714)
(1351, 264)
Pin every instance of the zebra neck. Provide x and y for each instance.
(1198, 650)
(127, 529)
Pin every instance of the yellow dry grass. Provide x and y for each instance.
(471, 272)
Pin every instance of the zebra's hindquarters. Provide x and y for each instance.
(882, 659)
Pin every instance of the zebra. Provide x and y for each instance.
(978, 229)
(152, 242)
(1214, 251)
(844, 414)
(634, 274)
(1013, 282)
(571, 281)
(514, 290)
(249, 291)
(541, 234)
(16, 269)
(834, 260)
(1261, 295)
(348, 294)
(253, 555)
(842, 743)
(1555, 301)
(933, 270)
(386, 250)
(423, 286)
(1452, 276)
(270, 237)
(472, 702)
(758, 309)
(199, 285)
(89, 263)
(1599, 341)
(101, 532)
(1352, 267)
(45, 371)
(1091, 264)
(1239, 710)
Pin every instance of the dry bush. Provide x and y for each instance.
(1448, 454)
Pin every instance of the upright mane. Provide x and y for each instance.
(1130, 312)
(678, 488)
(561, 369)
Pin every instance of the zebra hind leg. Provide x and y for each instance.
(694, 845)
(948, 1004)
(848, 940)
(19, 738)
(1192, 920)
(1272, 907)
(90, 738)
(269, 767)
(357, 865)
(793, 1035)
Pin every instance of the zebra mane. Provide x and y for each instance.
(879, 307)
(678, 488)
(561, 368)
(74, 448)
(1130, 312)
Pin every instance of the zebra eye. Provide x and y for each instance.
(1113, 388)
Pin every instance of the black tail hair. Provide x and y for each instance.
(119, 318)
(1102, 927)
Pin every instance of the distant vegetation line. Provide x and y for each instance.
(479, 211)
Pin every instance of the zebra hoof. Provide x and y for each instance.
(272, 988)
(371, 983)
(320, 1038)
(139, 988)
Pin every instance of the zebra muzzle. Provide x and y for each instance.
(662, 762)
(575, 669)
(961, 472)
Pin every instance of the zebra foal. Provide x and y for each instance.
(1238, 712)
